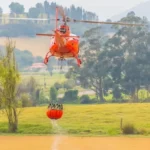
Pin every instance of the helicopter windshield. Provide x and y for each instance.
(62, 30)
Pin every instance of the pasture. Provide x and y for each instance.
(58, 77)
(101, 119)
(44, 77)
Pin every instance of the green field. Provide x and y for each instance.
(102, 119)
(45, 77)
(42, 78)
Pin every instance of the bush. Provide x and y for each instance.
(116, 92)
(43, 99)
(69, 84)
(84, 99)
(128, 129)
(53, 94)
(58, 85)
(142, 131)
(147, 100)
(70, 96)
(119, 101)
(26, 102)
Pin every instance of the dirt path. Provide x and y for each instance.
(72, 143)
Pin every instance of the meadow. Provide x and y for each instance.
(100, 119)
(44, 77)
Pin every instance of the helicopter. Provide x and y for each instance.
(63, 43)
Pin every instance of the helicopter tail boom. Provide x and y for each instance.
(61, 41)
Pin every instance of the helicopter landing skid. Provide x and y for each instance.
(79, 62)
(48, 55)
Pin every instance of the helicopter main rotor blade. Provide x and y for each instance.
(40, 19)
(42, 34)
(103, 22)
(67, 19)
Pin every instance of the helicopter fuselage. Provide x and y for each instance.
(64, 46)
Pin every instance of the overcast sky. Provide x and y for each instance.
(103, 8)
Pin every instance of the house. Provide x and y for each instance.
(37, 67)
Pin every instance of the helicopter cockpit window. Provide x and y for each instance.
(62, 30)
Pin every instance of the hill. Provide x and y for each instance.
(38, 46)
(143, 9)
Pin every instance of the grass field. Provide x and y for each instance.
(49, 80)
(101, 119)
(41, 78)
(46, 78)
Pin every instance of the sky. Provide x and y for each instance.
(105, 9)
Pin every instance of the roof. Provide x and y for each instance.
(37, 65)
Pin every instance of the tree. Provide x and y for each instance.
(119, 64)
(9, 77)
(1, 13)
(94, 69)
(58, 86)
(16, 8)
(129, 57)
(33, 12)
(53, 94)
(50, 66)
(36, 11)
(24, 58)
(53, 8)
(47, 9)
(84, 99)
(40, 8)
(38, 59)
(32, 89)
(69, 84)
(71, 96)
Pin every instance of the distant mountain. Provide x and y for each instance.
(143, 9)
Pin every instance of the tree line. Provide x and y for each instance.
(15, 28)
(48, 9)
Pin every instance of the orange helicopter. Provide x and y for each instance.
(64, 44)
